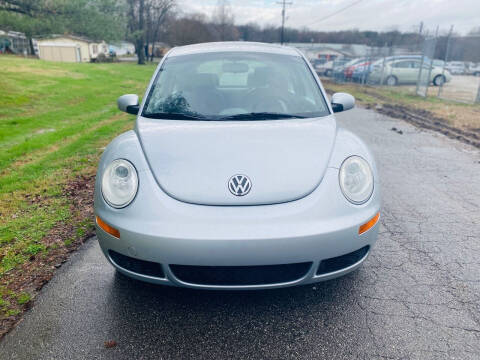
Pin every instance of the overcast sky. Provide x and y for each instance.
(404, 15)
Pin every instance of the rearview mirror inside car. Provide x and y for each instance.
(342, 102)
(235, 67)
(128, 103)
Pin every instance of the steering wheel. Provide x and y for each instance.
(265, 103)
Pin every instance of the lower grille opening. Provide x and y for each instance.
(240, 275)
(341, 262)
(138, 266)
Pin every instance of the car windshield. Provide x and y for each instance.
(234, 86)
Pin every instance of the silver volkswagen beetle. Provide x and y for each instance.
(236, 175)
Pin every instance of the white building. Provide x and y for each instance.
(70, 48)
(14, 42)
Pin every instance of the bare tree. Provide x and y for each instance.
(157, 13)
(145, 18)
(136, 27)
(190, 29)
(224, 21)
(475, 31)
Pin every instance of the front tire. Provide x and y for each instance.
(391, 80)
(439, 80)
(328, 73)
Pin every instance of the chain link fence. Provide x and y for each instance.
(426, 68)
(462, 62)
(446, 67)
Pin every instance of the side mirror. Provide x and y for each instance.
(342, 102)
(128, 103)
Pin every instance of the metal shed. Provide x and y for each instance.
(55, 51)
(88, 51)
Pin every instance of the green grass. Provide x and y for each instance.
(23, 298)
(55, 118)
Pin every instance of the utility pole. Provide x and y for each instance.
(283, 3)
(445, 59)
(420, 34)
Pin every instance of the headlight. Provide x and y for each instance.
(119, 183)
(356, 180)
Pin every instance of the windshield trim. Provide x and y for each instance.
(170, 54)
(238, 117)
(317, 81)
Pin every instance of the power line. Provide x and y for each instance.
(283, 3)
(335, 13)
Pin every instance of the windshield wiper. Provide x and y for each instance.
(262, 116)
(246, 116)
(174, 116)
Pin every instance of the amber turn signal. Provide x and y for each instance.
(107, 228)
(365, 227)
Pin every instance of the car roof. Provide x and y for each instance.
(356, 61)
(232, 46)
(394, 59)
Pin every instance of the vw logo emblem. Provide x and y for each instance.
(239, 185)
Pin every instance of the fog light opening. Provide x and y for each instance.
(107, 228)
(368, 225)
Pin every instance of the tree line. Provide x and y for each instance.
(98, 19)
(147, 22)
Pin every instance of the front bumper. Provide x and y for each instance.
(314, 250)
(161, 230)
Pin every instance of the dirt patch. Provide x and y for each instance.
(31, 276)
(427, 120)
(456, 121)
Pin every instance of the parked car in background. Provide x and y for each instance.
(361, 71)
(405, 71)
(327, 68)
(456, 67)
(316, 63)
(348, 71)
(339, 71)
(474, 69)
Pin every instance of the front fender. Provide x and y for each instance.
(348, 144)
(125, 146)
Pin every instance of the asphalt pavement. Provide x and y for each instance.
(416, 297)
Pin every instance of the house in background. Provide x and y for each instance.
(70, 48)
(13, 42)
(158, 49)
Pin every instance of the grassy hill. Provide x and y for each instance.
(55, 120)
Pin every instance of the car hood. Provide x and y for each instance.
(193, 161)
